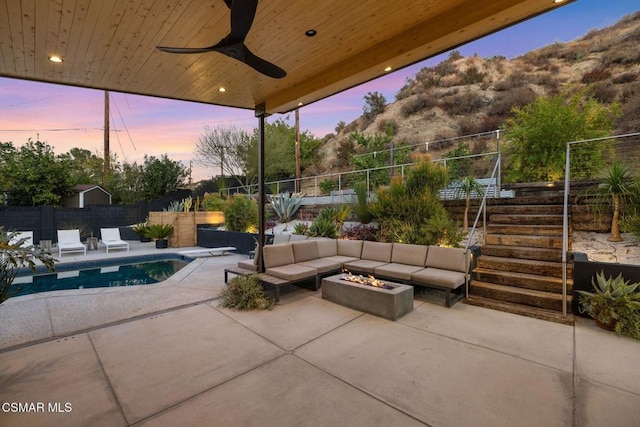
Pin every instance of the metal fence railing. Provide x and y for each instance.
(591, 159)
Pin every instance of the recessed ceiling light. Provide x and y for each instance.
(299, 104)
(55, 58)
(310, 33)
(558, 1)
(388, 69)
(222, 89)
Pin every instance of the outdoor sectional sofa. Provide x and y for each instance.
(445, 269)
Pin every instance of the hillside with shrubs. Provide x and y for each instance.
(471, 95)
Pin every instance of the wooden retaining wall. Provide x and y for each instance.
(185, 224)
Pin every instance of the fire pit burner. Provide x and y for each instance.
(369, 281)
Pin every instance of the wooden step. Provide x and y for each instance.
(528, 200)
(526, 219)
(522, 296)
(523, 310)
(526, 209)
(542, 268)
(551, 242)
(542, 254)
(525, 229)
(521, 280)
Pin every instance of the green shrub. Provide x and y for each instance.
(361, 232)
(245, 293)
(327, 186)
(241, 213)
(411, 211)
(213, 202)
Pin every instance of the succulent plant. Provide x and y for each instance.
(285, 205)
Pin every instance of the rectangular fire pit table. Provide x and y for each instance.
(388, 303)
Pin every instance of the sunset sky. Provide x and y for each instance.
(68, 117)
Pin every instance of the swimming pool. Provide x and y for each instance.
(130, 271)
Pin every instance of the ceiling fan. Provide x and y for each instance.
(242, 14)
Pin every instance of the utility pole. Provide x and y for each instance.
(297, 150)
(106, 136)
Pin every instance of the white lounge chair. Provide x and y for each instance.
(19, 235)
(112, 240)
(69, 241)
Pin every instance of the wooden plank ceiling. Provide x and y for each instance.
(111, 44)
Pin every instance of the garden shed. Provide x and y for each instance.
(85, 195)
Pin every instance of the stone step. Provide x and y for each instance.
(526, 219)
(541, 254)
(522, 296)
(523, 310)
(526, 209)
(542, 268)
(525, 229)
(521, 280)
(551, 242)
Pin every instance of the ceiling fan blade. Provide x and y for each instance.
(242, 14)
(185, 49)
(232, 45)
(262, 66)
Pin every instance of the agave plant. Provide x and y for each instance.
(175, 206)
(613, 300)
(286, 205)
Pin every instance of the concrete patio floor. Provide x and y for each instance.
(166, 354)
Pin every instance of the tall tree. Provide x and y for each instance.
(538, 134)
(280, 150)
(161, 176)
(33, 175)
(224, 148)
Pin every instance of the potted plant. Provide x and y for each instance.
(160, 233)
(614, 304)
(141, 229)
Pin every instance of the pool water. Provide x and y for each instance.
(139, 273)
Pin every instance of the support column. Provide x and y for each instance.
(260, 113)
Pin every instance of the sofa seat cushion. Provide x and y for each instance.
(292, 272)
(363, 266)
(323, 265)
(248, 264)
(397, 271)
(435, 276)
(342, 259)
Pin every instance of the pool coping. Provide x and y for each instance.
(50, 315)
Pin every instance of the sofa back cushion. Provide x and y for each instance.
(377, 251)
(352, 248)
(409, 254)
(327, 247)
(298, 237)
(305, 250)
(277, 255)
(453, 259)
(281, 238)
